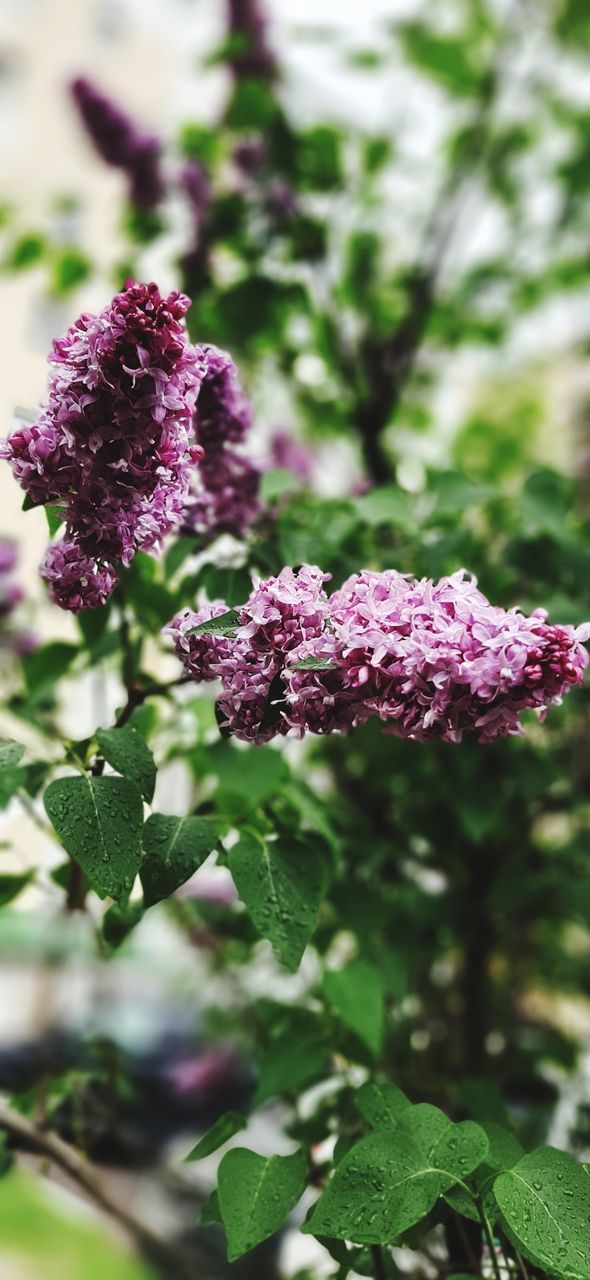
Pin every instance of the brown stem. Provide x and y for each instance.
(26, 1136)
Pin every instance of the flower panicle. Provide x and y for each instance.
(432, 660)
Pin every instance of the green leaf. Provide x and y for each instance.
(224, 1128)
(225, 625)
(44, 667)
(444, 58)
(127, 752)
(252, 776)
(10, 752)
(544, 1203)
(255, 1195)
(296, 1056)
(211, 1212)
(174, 849)
(119, 921)
(55, 518)
(356, 994)
(99, 822)
(392, 1178)
(504, 1152)
(11, 886)
(314, 664)
(281, 883)
(381, 1104)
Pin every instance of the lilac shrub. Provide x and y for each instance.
(429, 659)
(113, 446)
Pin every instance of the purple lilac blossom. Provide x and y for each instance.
(12, 638)
(290, 454)
(429, 659)
(121, 143)
(225, 493)
(113, 446)
(252, 57)
(280, 616)
(194, 184)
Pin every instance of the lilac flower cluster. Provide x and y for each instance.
(431, 660)
(194, 184)
(113, 445)
(225, 496)
(121, 143)
(11, 593)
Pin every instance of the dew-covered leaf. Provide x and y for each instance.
(544, 1203)
(381, 1104)
(174, 849)
(255, 1195)
(127, 752)
(281, 883)
(225, 625)
(98, 821)
(392, 1178)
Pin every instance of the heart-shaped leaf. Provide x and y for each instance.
(99, 822)
(255, 1195)
(174, 849)
(544, 1204)
(281, 883)
(391, 1179)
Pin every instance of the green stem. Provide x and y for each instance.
(485, 1222)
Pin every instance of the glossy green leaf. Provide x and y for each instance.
(255, 1195)
(504, 1151)
(281, 883)
(127, 752)
(381, 1104)
(225, 625)
(99, 822)
(174, 849)
(224, 1128)
(544, 1204)
(392, 1178)
(356, 995)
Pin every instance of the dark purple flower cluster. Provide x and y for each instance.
(121, 143)
(431, 660)
(251, 56)
(113, 446)
(225, 497)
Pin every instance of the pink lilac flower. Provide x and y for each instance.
(290, 454)
(121, 143)
(281, 615)
(113, 445)
(225, 494)
(77, 581)
(431, 660)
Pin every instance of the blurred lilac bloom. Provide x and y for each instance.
(121, 143)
